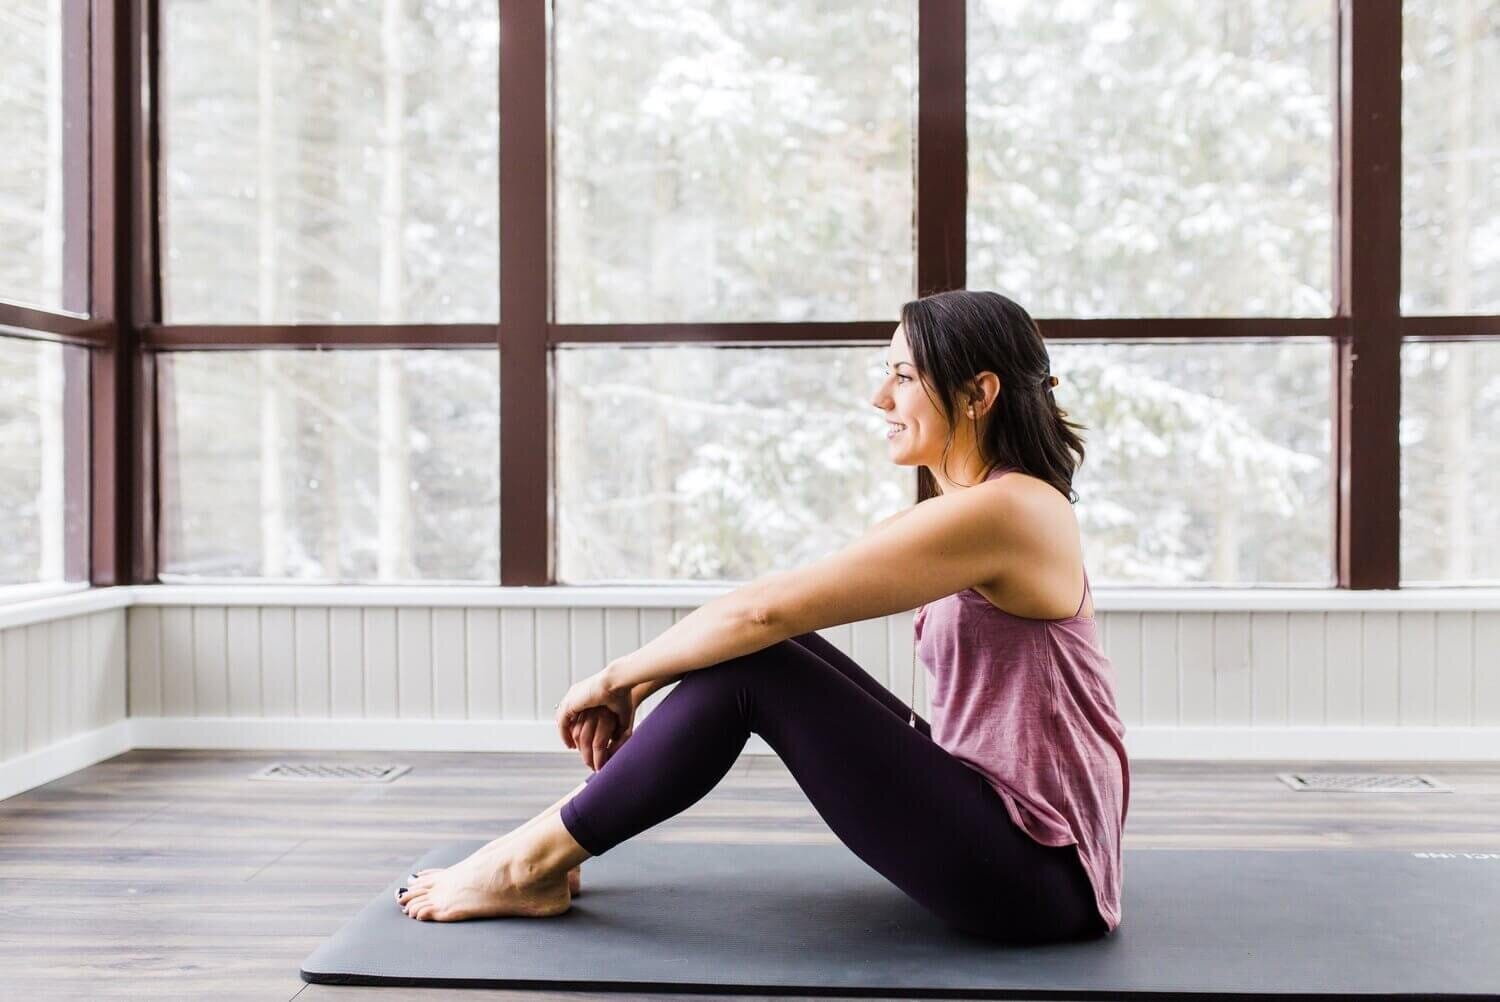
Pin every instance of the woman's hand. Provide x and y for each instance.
(592, 733)
(592, 692)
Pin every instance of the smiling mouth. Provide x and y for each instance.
(895, 429)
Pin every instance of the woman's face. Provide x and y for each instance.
(915, 429)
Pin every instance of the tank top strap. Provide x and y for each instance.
(1085, 593)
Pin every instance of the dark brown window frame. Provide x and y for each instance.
(112, 55)
(72, 324)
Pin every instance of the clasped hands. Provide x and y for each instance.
(596, 718)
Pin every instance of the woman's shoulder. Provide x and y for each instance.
(1027, 496)
(1043, 544)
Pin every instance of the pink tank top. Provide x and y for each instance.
(1030, 705)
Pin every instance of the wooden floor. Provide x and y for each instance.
(167, 874)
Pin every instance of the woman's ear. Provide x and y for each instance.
(981, 390)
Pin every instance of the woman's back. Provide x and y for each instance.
(1029, 703)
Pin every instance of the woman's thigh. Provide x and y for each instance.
(825, 649)
(923, 819)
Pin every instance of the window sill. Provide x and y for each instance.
(77, 599)
(666, 596)
(26, 604)
(34, 591)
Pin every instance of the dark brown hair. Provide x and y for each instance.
(956, 335)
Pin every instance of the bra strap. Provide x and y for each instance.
(1085, 593)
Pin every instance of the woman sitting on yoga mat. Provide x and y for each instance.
(1004, 816)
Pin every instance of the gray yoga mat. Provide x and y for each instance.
(815, 919)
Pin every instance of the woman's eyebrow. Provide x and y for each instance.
(900, 364)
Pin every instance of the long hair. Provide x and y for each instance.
(956, 335)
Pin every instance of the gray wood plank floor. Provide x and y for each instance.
(167, 874)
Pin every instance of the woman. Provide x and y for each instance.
(1004, 816)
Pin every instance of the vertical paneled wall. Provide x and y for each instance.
(60, 678)
(69, 676)
(1357, 668)
(1306, 669)
(420, 663)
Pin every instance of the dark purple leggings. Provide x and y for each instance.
(923, 819)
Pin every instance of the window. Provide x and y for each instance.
(1167, 159)
(330, 162)
(1450, 157)
(31, 171)
(38, 512)
(715, 217)
(723, 160)
(1450, 462)
(708, 464)
(1207, 463)
(336, 466)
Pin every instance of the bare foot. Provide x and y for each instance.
(575, 875)
(480, 887)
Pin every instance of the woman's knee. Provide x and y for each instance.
(808, 638)
(756, 664)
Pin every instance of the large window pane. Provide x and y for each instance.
(725, 160)
(35, 514)
(1450, 157)
(31, 136)
(704, 464)
(1170, 158)
(1206, 462)
(340, 466)
(1450, 462)
(332, 161)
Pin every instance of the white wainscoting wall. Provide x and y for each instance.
(1268, 675)
(62, 696)
(1362, 683)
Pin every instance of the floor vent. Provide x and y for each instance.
(331, 772)
(1353, 782)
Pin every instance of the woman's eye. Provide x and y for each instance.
(903, 379)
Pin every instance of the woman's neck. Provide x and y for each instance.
(970, 473)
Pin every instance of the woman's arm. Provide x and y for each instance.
(887, 521)
(640, 693)
(729, 626)
(725, 627)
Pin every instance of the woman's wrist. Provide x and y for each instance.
(615, 681)
(617, 670)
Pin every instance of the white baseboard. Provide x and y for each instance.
(1363, 744)
(55, 761)
(1249, 744)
